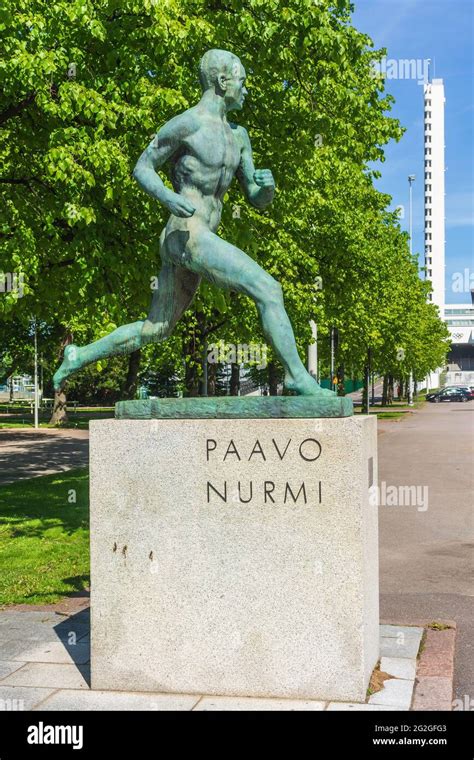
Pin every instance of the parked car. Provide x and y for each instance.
(468, 388)
(449, 394)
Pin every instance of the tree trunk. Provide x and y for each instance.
(192, 352)
(59, 415)
(390, 390)
(365, 390)
(385, 391)
(193, 362)
(129, 389)
(191, 379)
(211, 378)
(235, 379)
(340, 377)
(273, 379)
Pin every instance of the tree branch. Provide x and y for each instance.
(14, 110)
(26, 181)
(213, 328)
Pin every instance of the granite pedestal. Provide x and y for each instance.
(234, 556)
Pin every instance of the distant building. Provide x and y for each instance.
(459, 318)
(434, 195)
(17, 387)
(434, 199)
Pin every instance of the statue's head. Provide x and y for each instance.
(223, 72)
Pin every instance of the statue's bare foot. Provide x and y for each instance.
(306, 385)
(70, 365)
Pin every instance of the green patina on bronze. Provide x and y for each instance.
(234, 407)
(205, 151)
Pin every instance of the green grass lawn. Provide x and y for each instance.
(79, 419)
(396, 410)
(385, 412)
(44, 538)
(389, 415)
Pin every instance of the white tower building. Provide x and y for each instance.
(434, 190)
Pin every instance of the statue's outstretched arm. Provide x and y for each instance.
(163, 146)
(258, 185)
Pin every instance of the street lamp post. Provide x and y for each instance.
(36, 376)
(332, 358)
(313, 351)
(367, 379)
(204, 369)
(411, 179)
(313, 347)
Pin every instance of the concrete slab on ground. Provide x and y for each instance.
(57, 675)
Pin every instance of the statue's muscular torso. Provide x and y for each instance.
(203, 167)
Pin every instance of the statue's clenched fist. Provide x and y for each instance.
(264, 178)
(178, 205)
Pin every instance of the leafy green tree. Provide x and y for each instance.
(85, 85)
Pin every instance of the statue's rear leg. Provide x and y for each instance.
(228, 267)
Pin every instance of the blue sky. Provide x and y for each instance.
(441, 30)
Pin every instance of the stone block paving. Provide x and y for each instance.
(45, 665)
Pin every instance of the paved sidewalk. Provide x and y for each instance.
(30, 453)
(426, 554)
(45, 665)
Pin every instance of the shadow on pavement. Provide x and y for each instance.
(71, 633)
(31, 454)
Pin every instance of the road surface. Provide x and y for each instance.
(426, 557)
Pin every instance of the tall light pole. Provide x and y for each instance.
(36, 376)
(333, 350)
(367, 379)
(411, 179)
(312, 363)
(313, 351)
(204, 369)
